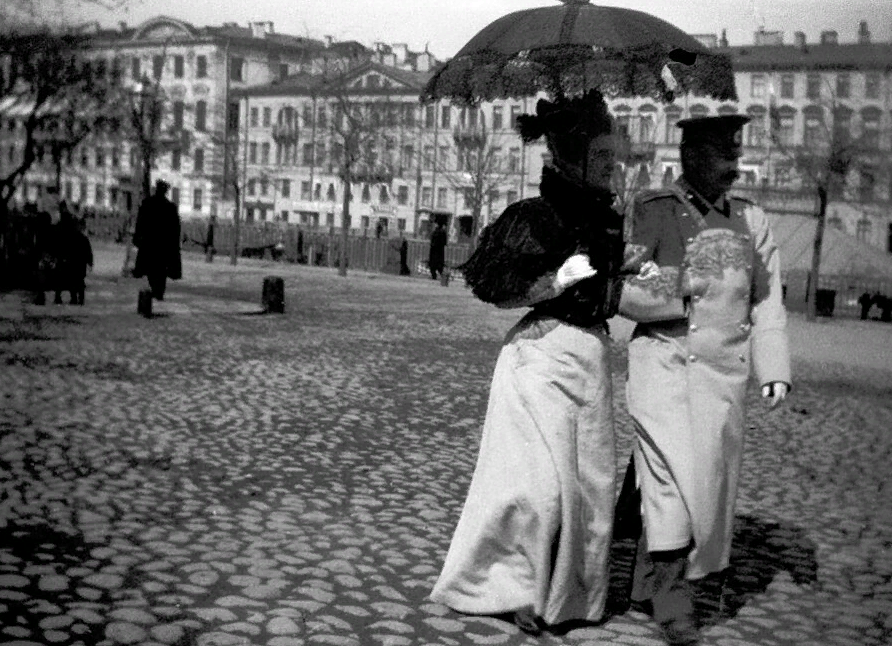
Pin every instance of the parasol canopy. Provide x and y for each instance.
(570, 48)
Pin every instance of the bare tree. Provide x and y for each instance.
(481, 170)
(826, 162)
(57, 95)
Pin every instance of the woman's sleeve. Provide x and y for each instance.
(516, 261)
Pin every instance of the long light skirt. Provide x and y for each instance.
(536, 526)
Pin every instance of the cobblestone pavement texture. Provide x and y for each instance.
(215, 477)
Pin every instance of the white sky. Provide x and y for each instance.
(445, 25)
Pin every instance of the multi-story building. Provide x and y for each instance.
(807, 93)
(282, 155)
(192, 72)
(416, 162)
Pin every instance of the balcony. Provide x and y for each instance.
(469, 136)
(285, 132)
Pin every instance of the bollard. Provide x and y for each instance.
(144, 305)
(274, 295)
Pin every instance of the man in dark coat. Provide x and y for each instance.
(866, 302)
(157, 237)
(73, 254)
(437, 259)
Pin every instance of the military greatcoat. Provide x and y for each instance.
(712, 316)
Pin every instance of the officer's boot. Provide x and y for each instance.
(673, 598)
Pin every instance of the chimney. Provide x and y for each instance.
(402, 52)
(328, 40)
(863, 33)
(829, 38)
(723, 41)
(799, 40)
(763, 37)
(261, 29)
(122, 25)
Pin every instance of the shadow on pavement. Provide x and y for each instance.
(759, 552)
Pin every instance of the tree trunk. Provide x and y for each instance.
(345, 225)
(236, 219)
(815, 274)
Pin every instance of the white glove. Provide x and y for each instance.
(575, 268)
(776, 391)
(650, 269)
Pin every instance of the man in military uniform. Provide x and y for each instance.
(710, 317)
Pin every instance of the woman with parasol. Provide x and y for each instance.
(533, 536)
(534, 533)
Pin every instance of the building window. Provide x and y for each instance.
(134, 69)
(889, 239)
(445, 116)
(178, 66)
(196, 199)
(497, 118)
(264, 186)
(320, 154)
(426, 196)
(867, 185)
(252, 152)
(407, 157)
(69, 190)
(366, 194)
(511, 197)
(842, 124)
(870, 127)
(811, 135)
(201, 66)
(784, 126)
(100, 195)
(264, 152)
(115, 158)
(813, 86)
(755, 129)
(307, 157)
(787, 85)
(409, 115)
(645, 127)
(317, 191)
(255, 117)
(100, 157)
(252, 186)
(267, 117)
(430, 117)
(442, 197)
(178, 110)
(872, 85)
(862, 230)
(236, 69)
(843, 85)
(402, 195)
(199, 160)
(306, 191)
(175, 159)
(514, 160)
(157, 66)
(175, 195)
(201, 115)
(232, 117)
(515, 112)
(757, 86)
(673, 132)
(286, 188)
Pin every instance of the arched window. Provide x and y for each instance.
(784, 124)
(330, 194)
(755, 130)
(383, 195)
(699, 110)
(647, 118)
(862, 230)
(727, 109)
(673, 132)
(813, 129)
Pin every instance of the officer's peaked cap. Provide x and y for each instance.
(721, 130)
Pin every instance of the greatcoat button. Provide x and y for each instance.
(692, 358)
(693, 327)
(696, 297)
(742, 358)
(690, 240)
(744, 326)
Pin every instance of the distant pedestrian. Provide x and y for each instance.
(73, 254)
(866, 302)
(885, 304)
(404, 257)
(209, 250)
(157, 237)
(437, 258)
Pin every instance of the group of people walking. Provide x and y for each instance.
(698, 271)
(63, 255)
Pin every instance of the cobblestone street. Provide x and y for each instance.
(212, 476)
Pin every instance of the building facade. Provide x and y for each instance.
(250, 128)
(191, 72)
